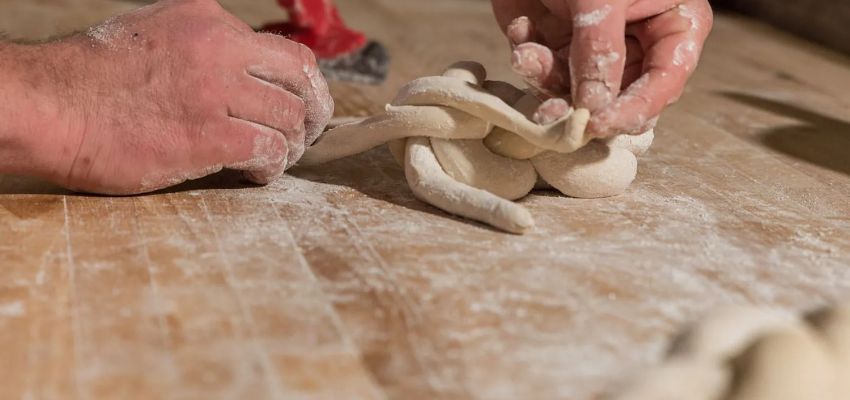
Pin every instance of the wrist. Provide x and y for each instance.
(35, 118)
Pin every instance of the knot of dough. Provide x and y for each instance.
(469, 147)
(755, 354)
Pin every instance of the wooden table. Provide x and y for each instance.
(335, 283)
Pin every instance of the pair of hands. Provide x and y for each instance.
(181, 89)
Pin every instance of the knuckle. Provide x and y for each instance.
(307, 56)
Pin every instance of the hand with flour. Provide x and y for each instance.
(170, 92)
(625, 61)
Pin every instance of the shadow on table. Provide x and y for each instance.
(376, 175)
(224, 180)
(819, 140)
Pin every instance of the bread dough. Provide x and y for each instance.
(469, 145)
(395, 123)
(472, 163)
(564, 136)
(636, 144)
(431, 184)
(680, 379)
(595, 171)
(833, 324)
(502, 141)
(728, 332)
(791, 364)
(747, 353)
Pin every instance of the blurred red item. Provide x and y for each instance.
(318, 25)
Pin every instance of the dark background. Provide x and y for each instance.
(824, 21)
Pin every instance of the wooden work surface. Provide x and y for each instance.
(335, 283)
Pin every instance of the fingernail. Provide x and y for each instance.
(551, 110)
(526, 62)
(519, 31)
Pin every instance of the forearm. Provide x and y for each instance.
(31, 117)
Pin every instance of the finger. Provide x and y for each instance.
(597, 52)
(293, 67)
(526, 21)
(541, 68)
(673, 41)
(551, 110)
(268, 105)
(521, 30)
(258, 150)
(506, 11)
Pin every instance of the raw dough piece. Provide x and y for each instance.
(792, 364)
(431, 184)
(595, 171)
(833, 324)
(638, 144)
(511, 145)
(680, 380)
(728, 332)
(564, 136)
(396, 123)
(753, 354)
(472, 163)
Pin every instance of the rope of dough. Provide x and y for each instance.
(564, 136)
(755, 354)
(431, 184)
(396, 123)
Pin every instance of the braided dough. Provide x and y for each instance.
(754, 354)
(470, 146)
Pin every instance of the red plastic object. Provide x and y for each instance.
(318, 25)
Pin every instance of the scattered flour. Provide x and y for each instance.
(688, 13)
(683, 53)
(592, 18)
(106, 33)
(13, 309)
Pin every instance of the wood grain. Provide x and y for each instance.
(336, 283)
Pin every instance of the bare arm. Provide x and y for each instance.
(173, 91)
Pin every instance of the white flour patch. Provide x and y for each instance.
(106, 33)
(603, 61)
(592, 18)
(689, 14)
(13, 309)
(682, 51)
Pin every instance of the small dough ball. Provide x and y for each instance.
(833, 324)
(472, 163)
(679, 379)
(791, 364)
(637, 144)
(468, 71)
(509, 144)
(728, 331)
(594, 171)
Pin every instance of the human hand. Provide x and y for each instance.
(625, 61)
(176, 91)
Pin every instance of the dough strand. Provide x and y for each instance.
(747, 353)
